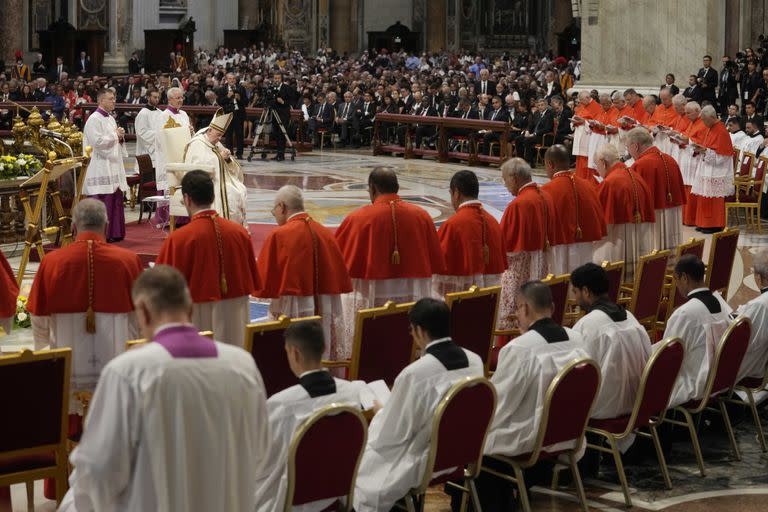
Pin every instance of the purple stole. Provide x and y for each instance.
(184, 341)
(102, 112)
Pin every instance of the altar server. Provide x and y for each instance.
(304, 347)
(613, 338)
(179, 424)
(470, 240)
(146, 125)
(302, 270)
(756, 358)
(628, 212)
(579, 220)
(171, 117)
(700, 323)
(217, 259)
(527, 228)
(390, 247)
(665, 182)
(9, 293)
(105, 179)
(399, 434)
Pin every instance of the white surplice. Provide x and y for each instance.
(626, 242)
(442, 284)
(173, 434)
(180, 118)
(145, 124)
(522, 267)
(667, 230)
(230, 192)
(106, 172)
(523, 374)
(399, 435)
(756, 358)
(621, 350)
(566, 257)
(226, 318)
(287, 410)
(90, 351)
(752, 143)
(330, 310)
(700, 331)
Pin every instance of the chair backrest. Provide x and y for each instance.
(615, 271)
(335, 433)
(736, 152)
(693, 246)
(146, 170)
(721, 256)
(657, 382)
(36, 392)
(559, 287)
(728, 356)
(131, 344)
(382, 345)
(473, 319)
(760, 167)
(747, 161)
(567, 404)
(649, 285)
(265, 343)
(459, 429)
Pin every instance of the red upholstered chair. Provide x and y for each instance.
(334, 434)
(693, 246)
(643, 297)
(473, 319)
(720, 383)
(146, 186)
(266, 344)
(748, 192)
(650, 406)
(615, 271)
(382, 346)
(566, 410)
(459, 428)
(721, 256)
(33, 444)
(559, 287)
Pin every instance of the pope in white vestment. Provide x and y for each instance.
(178, 424)
(230, 191)
(399, 435)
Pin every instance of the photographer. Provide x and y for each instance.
(728, 91)
(707, 80)
(750, 85)
(233, 99)
(282, 97)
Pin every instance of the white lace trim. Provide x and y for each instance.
(715, 176)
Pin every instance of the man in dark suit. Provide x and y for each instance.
(484, 85)
(408, 100)
(464, 111)
(83, 66)
(751, 115)
(285, 96)
(728, 87)
(562, 116)
(707, 80)
(498, 113)
(58, 69)
(38, 67)
(551, 86)
(448, 106)
(125, 92)
(750, 84)
(694, 92)
(365, 113)
(541, 122)
(424, 109)
(322, 117)
(346, 120)
(43, 91)
(233, 99)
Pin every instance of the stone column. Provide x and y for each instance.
(11, 33)
(323, 25)
(635, 43)
(118, 26)
(436, 14)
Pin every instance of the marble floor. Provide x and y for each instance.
(335, 183)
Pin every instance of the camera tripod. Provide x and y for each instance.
(267, 116)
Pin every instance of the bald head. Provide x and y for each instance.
(666, 97)
(292, 197)
(382, 180)
(556, 159)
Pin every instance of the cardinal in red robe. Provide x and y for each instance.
(470, 240)
(628, 212)
(603, 129)
(390, 248)
(689, 161)
(662, 174)
(714, 181)
(664, 114)
(302, 270)
(217, 259)
(9, 293)
(635, 101)
(578, 214)
(587, 109)
(527, 228)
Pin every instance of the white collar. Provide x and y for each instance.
(170, 326)
(312, 371)
(471, 201)
(697, 290)
(294, 214)
(435, 342)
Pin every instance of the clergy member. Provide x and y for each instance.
(714, 180)
(317, 388)
(527, 228)
(81, 298)
(586, 109)
(105, 179)
(624, 113)
(9, 294)
(664, 114)
(302, 270)
(171, 117)
(179, 424)
(700, 323)
(601, 127)
(755, 140)
(398, 437)
(627, 207)
(635, 101)
(470, 240)
(216, 257)
(756, 358)
(662, 175)
(613, 338)
(390, 247)
(578, 218)
(525, 370)
(146, 124)
(689, 160)
(206, 148)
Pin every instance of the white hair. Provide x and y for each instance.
(89, 215)
(617, 96)
(607, 152)
(292, 197)
(639, 136)
(679, 99)
(174, 92)
(516, 167)
(693, 106)
(709, 111)
(760, 263)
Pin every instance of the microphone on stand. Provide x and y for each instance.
(50, 133)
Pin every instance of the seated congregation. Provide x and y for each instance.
(510, 351)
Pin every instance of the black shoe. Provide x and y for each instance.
(710, 231)
(699, 229)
